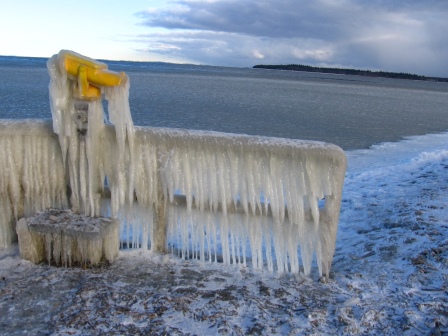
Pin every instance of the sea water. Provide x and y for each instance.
(353, 112)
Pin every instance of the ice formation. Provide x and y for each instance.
(81, 154)
(268, 201)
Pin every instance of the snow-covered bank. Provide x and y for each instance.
(389, 275)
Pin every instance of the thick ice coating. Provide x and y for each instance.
(80, 153)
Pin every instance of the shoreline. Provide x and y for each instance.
(352, 72)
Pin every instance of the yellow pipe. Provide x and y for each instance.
(84, 89)
(90, 74)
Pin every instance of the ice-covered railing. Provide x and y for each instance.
(268, 200)
(288, 190)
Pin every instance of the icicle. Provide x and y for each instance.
(32, 173)
(83, 176)
(120, 117)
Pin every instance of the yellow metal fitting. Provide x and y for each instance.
(90, 74)
(84, 90)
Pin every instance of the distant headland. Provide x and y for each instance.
(341, 71)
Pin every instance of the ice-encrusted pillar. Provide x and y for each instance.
(160, 227)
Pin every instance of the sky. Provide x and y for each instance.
(400, 35)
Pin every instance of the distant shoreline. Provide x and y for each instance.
(342, 71)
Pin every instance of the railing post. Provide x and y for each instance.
(160, 227)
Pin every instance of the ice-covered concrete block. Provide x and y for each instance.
(67, 238)
(31, 244)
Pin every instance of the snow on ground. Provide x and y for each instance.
(389, 275)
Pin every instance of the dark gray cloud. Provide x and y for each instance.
(256, 18)
(407, 36)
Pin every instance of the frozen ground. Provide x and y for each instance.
(389, 275)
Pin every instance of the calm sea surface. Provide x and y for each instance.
(350, 111)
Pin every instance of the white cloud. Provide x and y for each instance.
(257, 54)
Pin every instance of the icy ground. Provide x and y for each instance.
(389, 275)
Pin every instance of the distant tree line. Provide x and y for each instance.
(369, 73)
